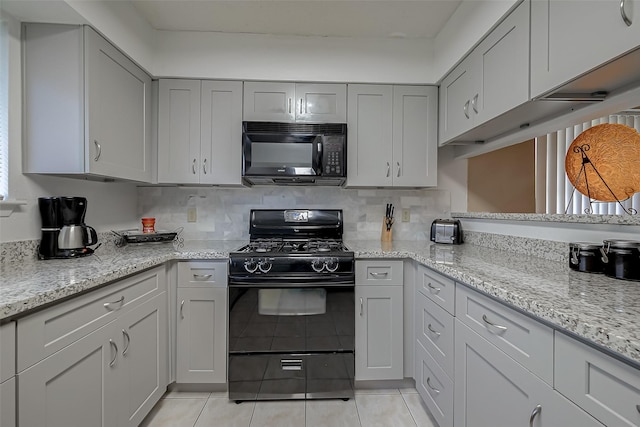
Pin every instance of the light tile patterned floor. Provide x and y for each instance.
(370, 408)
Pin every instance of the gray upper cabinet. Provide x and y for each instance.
(491, 80)
(87, 106)
(199, 132)
(392, 136)
(570, 38)
(295, 102)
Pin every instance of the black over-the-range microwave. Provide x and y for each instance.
(294, 153)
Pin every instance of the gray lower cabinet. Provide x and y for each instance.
(201, 341)
(379, 320)
(606, 388)
(113, 370)
(7, 375)
(493, 389)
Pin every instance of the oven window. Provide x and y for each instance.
(292, 302)
(278, 154)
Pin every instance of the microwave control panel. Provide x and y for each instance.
(333, 159)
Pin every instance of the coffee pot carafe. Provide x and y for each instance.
(64, 233)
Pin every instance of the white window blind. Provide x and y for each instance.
(553, 188)
(4, 110)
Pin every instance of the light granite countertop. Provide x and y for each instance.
(597, 308)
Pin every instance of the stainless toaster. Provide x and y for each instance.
(446, 231)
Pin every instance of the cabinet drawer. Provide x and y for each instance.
(434, 330)
(196, 274)
(604, 387)
(524, 339)
(8, 353)
(438, 288)
(380, 272)
(434, 386)
(50, 330)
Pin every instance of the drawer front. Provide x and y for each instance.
(50, 330)
(524, 339)
(8, 403)
(604, 387)
(379, 272)
(436, 287)
(197, 274)
(8, 353)
(434, 386)
(434, 330)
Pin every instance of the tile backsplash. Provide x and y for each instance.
(223, 213)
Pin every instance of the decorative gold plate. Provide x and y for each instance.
(614, 151)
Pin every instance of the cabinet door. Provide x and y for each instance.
(202, 335)
(455, 102)
(492, 389)
(321, 103)
(76, 386)
(501, 67)
(142, 359)
(118, 107)
(179, 131)
(369, 135)
(8, 403)
(569, 38)
(269, 102)
(379, 339)
(221, 136)
(415, 150)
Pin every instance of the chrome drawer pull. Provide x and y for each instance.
(115, 356)
(625, 18)
(398, 175)
(291, 364)
(204, 166)
(107, 305)
(466, 109)
(388, 169)
(433, 331)
(502, 328)
(361, 307)
(536, 411)
(378, 274)
(202, 276)
(474, 103)
(434, 289)
(126, 347)
(432, 387)
(98, 149)
(181, 308)
(193, 167)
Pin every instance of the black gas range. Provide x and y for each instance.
(293, 247)
(292, 308)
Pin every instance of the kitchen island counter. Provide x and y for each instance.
(594, 307)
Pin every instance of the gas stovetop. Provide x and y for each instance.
(294, 245)
(284, 247)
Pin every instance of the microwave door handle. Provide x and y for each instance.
(319, 158)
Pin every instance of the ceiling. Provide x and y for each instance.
(324, 18)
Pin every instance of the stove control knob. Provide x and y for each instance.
(250, 265)
(317, 265)
(264, 265)
(332, 264)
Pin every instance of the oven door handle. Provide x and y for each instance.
(287, 284)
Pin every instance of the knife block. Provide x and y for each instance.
(386, 235)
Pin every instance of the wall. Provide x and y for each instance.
(503, 180)
(224, 213)
(261, 57)
(110, 205)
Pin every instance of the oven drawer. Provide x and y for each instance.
(379, 272)
(195, 274)
(290, 376)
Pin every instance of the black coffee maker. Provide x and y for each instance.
(64, 233)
